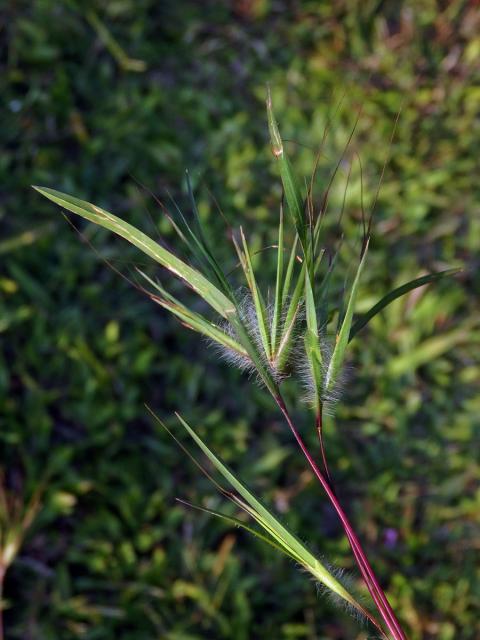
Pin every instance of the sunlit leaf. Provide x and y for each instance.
(279, 532)
(213, 296)
(290, 185)
(192, 319)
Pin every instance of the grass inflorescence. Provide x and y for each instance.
(287, 329)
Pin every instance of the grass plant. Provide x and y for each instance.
(291, 329)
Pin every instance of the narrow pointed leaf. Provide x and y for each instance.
(201, 240)
(277, 309)
(312, 343)
(290, 185)
(293, 309)
(397, 293)
(290, 540)
(193, 320)
(288, 338)
(311, 313)
(324, 289)
(258, 301)
(318, 261)
(213, 296)
(193, 242)
(338, 355)
(238, 523)
(289, 273)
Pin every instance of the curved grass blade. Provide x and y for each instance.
(278, 531)
(191, 319)
(213, 296)
(342, 338)
(237, 523)
(124, 61)
(397, 293)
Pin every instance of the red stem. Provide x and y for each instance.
(369, 576)
(319, 424)
(371, 581)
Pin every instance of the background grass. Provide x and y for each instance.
(111, 554)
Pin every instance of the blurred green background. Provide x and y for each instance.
(98, 96)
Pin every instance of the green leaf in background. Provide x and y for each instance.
(431, 349)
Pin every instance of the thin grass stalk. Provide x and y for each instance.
(319, 425)
(371, 582)
(368, 574)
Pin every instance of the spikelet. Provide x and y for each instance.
(304, 374)
(237, 360)
(248, 316)
(347, 581)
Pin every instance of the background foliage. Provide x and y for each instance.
(99, 95)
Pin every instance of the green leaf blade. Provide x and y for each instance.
(312, 342)
(193, 320)
(290, 184)
(280, 533)
(277, 309)
(203, 287)
(258, 301)
(342, 338)
(397, 293)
